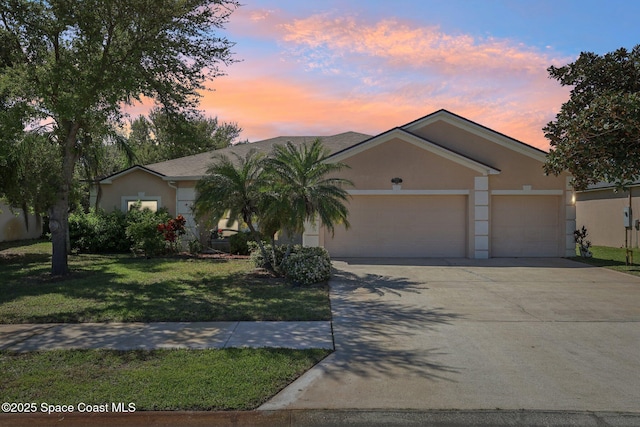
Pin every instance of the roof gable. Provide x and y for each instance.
(418, 141)
(478, 130)
(109, 179)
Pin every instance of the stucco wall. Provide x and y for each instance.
(601, 212)
(13, 226)
(419, 169)
(135, 185)
(516, 169)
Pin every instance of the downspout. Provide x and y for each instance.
(172, 184)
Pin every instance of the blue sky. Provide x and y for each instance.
(324, 67)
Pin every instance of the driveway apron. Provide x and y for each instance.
(540, 334)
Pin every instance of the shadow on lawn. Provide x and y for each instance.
(379, 331)
(610, 263)
(109, 289)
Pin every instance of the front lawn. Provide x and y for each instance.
(225, 379)
(122, 288)
(612, 258)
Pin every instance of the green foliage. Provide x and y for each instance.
(280, 191)
(75, 64)
(98, 232)
(580, 237)
(302, 188)
(596, 134)
(258, 257)
(169, 135)
(299, 264)
(30, 172)
(142, 230)
(112, 232)
(239, 243)
(306, 266)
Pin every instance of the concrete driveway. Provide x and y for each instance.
(539, 334)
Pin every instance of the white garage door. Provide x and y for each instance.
(402, 226)
(525, 226)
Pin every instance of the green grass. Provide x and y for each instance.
(613, 258)
(122, 288)
(227, 379)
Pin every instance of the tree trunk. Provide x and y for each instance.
(59, 213)
(258, 240)
(58, 225)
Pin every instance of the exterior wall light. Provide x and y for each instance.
(396, 181)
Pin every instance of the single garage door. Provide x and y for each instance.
(402, 226)
(525, 226)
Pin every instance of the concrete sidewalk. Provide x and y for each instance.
(165, 335)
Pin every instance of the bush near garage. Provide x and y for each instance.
(303, 266)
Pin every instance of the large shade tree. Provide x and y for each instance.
(163, 135)
(76, 64)
(596, 134)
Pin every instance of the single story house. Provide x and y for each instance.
(440, 186)
(14, 225)
(603, 211)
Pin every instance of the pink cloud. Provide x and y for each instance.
(334, 74)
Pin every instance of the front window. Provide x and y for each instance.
(152, 205)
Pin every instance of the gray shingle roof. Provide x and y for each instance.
(196, 166)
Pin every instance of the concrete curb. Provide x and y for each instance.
(315, 418)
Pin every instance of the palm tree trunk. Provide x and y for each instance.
(258, 240)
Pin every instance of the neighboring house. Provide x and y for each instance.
(13, 225)
(601, 208)
(440, 186)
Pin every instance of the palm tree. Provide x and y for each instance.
(236, 189)
(303, 188)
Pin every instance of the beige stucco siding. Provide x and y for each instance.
(419, 169)
(517, 170)
(14, 227)
(402, 226)
(137, 184)
(601, 213)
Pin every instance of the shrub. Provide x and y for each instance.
(239, 243)
(580, 236)
(172, 230)
(257, 258)
(304, 265)
(142, 230)
(98, 232)
(307, 266)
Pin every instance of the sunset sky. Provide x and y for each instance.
(324, 67)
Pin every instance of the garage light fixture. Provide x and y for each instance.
(396, 180)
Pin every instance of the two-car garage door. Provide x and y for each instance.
(436, 226)
(402, 226)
